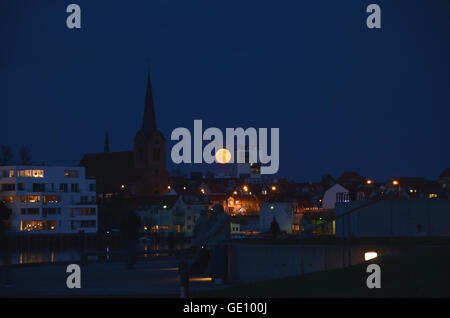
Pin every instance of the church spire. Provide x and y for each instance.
(149, 121)
(106, 147)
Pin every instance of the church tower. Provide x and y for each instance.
(149, 152)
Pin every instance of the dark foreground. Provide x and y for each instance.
(406, 276)
(157, 278)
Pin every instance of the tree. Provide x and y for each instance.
(327, 182)
(5, 213)
(25, 155)
(6, 155)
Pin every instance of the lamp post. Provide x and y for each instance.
(396, 183)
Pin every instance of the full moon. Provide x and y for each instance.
(223, 155)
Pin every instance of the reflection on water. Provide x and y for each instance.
(68, 255)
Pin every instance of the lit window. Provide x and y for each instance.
(71, 174)
(37, 226)
(30, 173)
(432, 195)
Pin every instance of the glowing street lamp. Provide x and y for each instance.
(370, 255)
(395, 182)
(274, 188)
(369, 181)
(245, 188)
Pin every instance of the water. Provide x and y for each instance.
(54, 255)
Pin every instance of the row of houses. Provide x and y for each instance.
(46, 199)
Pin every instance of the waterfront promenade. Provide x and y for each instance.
(158, 278)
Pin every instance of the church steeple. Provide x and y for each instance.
(149, 121)
(106, 147)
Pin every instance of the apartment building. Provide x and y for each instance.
(49, 199)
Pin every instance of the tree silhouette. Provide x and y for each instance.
(25, 155)
(5, 213)
(6, 154)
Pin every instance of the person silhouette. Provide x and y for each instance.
(275, 228)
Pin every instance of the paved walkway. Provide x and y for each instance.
(152, 278)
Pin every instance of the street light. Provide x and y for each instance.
(396, 183)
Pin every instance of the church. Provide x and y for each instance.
(136, 173)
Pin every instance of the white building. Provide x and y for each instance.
(46, 199)
(335, 194)
(170, 213)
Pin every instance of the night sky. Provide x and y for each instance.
(344, 97)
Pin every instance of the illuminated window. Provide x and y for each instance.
(8, 173)
(30, 198)
(30, 173)
(432, 195)
(51, 199)
(7, 199)
(71, 173)
(37, 226)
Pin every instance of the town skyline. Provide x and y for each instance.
(326, 88)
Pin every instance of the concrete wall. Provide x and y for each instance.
(398, 217)
(258, 262)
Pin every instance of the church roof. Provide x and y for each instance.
(149, 120)
(111, 169)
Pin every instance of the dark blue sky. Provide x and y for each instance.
(344, 97)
